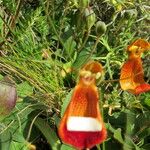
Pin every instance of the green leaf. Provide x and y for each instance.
(118, 136)
(109, 127)
(66, 147)
(18, 137)
(66, 102)
(48, 132)
(5, 140)
(24, 89)
(1, 118)
(147, 99)
(70, 45)
(1, 77)
(82, 58)
(56, 119)
(146, 146)
(18, 146)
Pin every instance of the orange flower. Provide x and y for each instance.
(132, 74)
(82, 125)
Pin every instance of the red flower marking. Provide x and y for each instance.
(132, 74)
(142, 87)
(84, 107)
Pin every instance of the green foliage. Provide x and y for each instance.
(49, 134)
(24, 89)
(64, 147)
(43, 44)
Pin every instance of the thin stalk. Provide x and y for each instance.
(108, 65)
(85, 40)
(14, 18)
(95, 45)
(31, 125)
(13, 21)
(50, 21)
(6, 24)
(7, 127)
(62, 22)
(10, 31)
(94, 48)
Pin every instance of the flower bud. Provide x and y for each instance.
(100, 28)
(89, 17)
(8, 97)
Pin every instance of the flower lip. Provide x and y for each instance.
(91, 72)
(84, 73)
(139, 44)
(93, 67)
(142, 88)
(87, 77)
(133, 48)
(82, 125)
(132, 74)
(87, 124)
